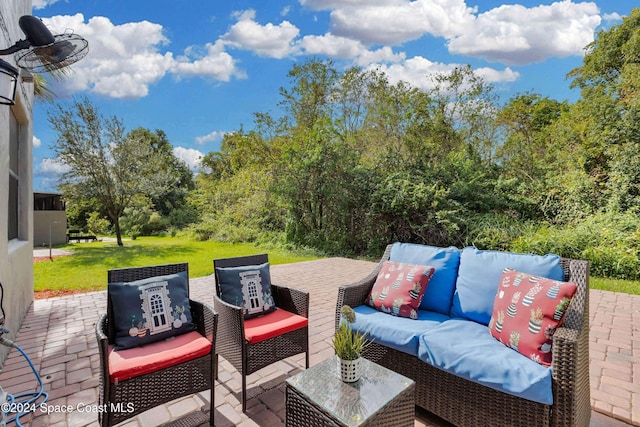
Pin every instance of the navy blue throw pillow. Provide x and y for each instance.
(150, 310)
(248, 287)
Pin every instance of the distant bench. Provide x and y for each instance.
(78, 236)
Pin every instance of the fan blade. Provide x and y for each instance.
(55, 53)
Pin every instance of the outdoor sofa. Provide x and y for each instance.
(463, 374)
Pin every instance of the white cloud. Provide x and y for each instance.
(285, 11)
(210, 137)
(190, 156)
(124, 60)
(214, 62)
(395, 22)
(330, 45)
(382, 55)
(413, 71)
(611, 17)
(345, 48)
(51, 167)
(273, 41)
(36, 142)
(491, 75)
(416, 70)
(511, 34)
(515, 35)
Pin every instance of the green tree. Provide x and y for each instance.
(103, 162)
(609, 81)
(170, 202)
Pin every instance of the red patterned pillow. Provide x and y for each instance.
(526, 312)
(399, 288)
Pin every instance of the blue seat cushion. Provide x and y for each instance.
(440, 290)
(466, 349)
(399, 333)
(479, 276)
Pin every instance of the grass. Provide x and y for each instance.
(87, 269)
(615, 285)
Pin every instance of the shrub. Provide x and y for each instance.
(609, 241)
(97, 224)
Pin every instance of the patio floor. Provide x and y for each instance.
(58, 335)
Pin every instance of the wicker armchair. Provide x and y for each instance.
(232, 342)
(465, 403)
(140, 393)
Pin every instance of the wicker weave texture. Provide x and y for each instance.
(147, 391)
(245, 357)
(465, 403)
(301, 412)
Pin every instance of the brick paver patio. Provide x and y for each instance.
(58, 335)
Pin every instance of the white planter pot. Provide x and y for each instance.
(350, 370)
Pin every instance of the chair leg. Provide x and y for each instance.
(215, 367)
(307, 352)
(244, 393)
(212, 404)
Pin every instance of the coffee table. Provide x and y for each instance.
(318, 397)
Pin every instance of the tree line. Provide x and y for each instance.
(352, 162)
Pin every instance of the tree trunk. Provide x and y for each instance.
(116, 223)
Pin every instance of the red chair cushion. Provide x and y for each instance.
(272, 324)
(137, 361)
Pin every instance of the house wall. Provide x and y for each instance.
(16, 255)
(45, 222)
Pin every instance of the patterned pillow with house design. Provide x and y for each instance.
(150, 310)
(248, 286)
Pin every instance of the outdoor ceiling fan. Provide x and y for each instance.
(44, 51)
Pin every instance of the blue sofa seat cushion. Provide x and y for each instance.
(399, 333)
(466, 349)
(479, 276)
(439, 293)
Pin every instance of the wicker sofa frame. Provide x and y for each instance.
(248, 358)
(465, 403)
(147, 391)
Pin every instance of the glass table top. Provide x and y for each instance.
(351, 403)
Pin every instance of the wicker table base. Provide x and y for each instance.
(317, 397)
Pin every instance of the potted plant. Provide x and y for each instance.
(348, 345)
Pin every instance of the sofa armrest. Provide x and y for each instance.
(356, 294)
(570, 362)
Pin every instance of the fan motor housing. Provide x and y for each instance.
(35, 30)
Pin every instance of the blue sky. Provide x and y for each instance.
(199, 68)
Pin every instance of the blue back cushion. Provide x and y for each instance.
(479, 275)
(247, 286)
(442, 284)
(150, 310)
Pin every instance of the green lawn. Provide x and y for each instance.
(87, 268)
(615, 285)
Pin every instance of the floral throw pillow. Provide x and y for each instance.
(526, 312)
(399, 288)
